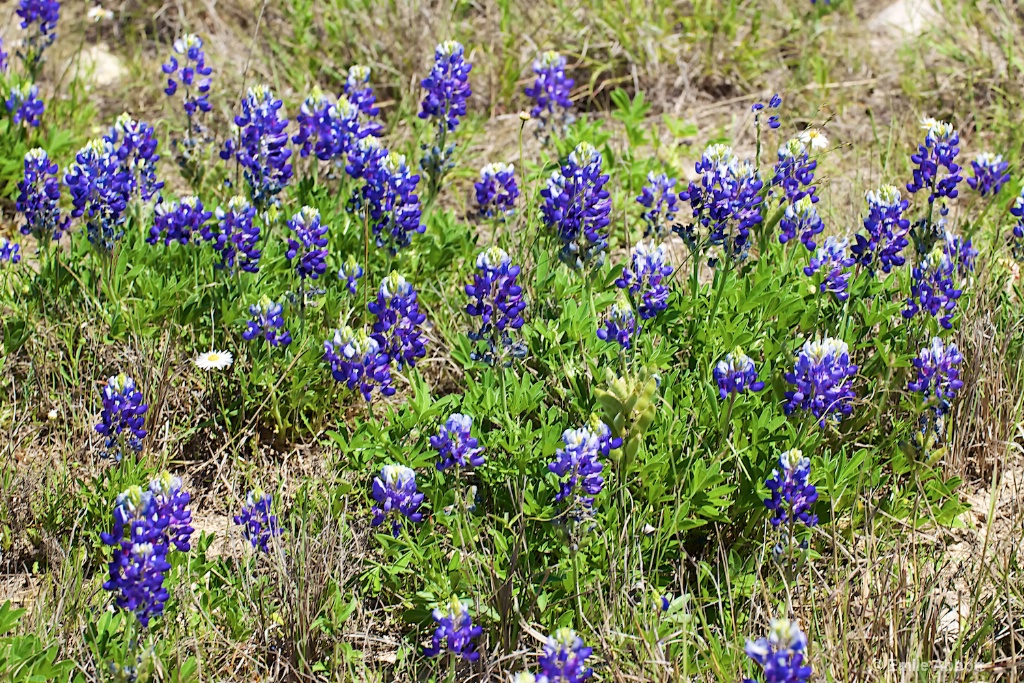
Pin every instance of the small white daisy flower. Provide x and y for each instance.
(98, 13)
(214, 360)
(813, 138)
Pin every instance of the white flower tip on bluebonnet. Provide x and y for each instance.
(804, 207)
(989, 159)
(397, 475)
(358, 74)
(819, 349)
(98, 13)
(492, 258)
(934, 128)
(306, 215)
(394, 162)
(449, 48)
(785, 634)
(564, 636)
(35, 154)
(814, 138)
(585, 154)
(792, 148)
(792, 459)
(344, 109)
(214, 360)
(186, 42)
(493, 169)
(394, 285)
(548, 59)
(886, 195)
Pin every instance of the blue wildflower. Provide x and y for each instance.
(447, 86)
(39, 198)
(262, 146)
(821, 380)
(932, 288)
(267, 321)
(395, 211)
(10, 252)
(497, 191)
(43, 15)
(550, 92)
(123, 418)
(363, 159)
(938, 151)
(794, 172)
(193, 64)
(454, 444)
(359, 92)
(259, 526)
(774, 103)
(135, 145)
(642, 277)
(564, 658)
(99, 190)
(326, 129)
(498, 301)
(736, 374)
(309, 243)
(398, 329)
(396, 496)
(782, 654)
(938, 378)
(661, 201)
(455, 632)
(801, 218)
(235, 236)
(619, 325)
(578, 208)
(791, 494)
(990, 174)
(578, 459)
(357, 359)
(726, 201)
(24, 104)
(886, 230)
(831, 260)
(351, 271)
(176, 221)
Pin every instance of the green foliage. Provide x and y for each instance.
(27, 658)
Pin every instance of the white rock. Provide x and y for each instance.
(910, 17)
(100, 67)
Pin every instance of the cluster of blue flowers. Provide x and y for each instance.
(773, 120)
(176, 221)
(39, 18)
(725, 202)
(577, 208)
(886, 228)
(39, 198)
(736, 374)
(358, 360)
(782, 654)
(577, 463)
(497, 191)
(267, 322)
(801, 220)
(497, 300)
(454, 444)
(822, 380)
(261, 149)
(938, 377)
(455, 632)
(550, 93)
(148, 525)
(933, 289)
(791, 493)
(991, 172)
(351, 272)
(643, 278)
(832, 261)
(123, 417)
(444, 103)
(564, 659)
(309, 243)
(794, 172)
(936, 169)
(259, 526)
(24, 105)
(9, 251)
(396, 496)
(619, 324)
(235, 237)
(398, 328)
(661, 202)
(394, 207)
(327, 130)
(192, 73)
